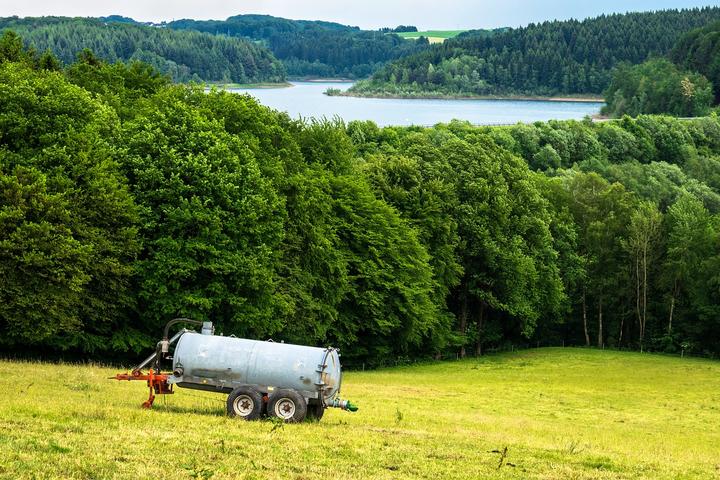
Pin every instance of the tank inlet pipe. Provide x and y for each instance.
(172, 322)
(154, 356)
(163, 346)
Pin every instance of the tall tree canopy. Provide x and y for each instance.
(657, 86)
(699, 51)
(126, 200)
(68, 222)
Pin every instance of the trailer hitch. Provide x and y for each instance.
(156, 382)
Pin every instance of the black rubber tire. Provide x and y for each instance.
(315, 412)
(246, 397)
(287, 399)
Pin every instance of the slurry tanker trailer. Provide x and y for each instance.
(290, 382)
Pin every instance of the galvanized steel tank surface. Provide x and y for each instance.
(230, 361)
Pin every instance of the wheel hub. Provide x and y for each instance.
(243, 405)
(285, 408)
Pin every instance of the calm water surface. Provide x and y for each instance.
(306, 99)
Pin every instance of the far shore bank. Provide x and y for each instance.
(525, 98)
(262, 85)
(322, 80)
(269, 85)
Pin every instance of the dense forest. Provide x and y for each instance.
(127, 201)
(699, 51)
(657, 86)
(556, 57)
(685, 84)
(185, 56)
(314, 48)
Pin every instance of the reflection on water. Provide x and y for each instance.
(307, 99)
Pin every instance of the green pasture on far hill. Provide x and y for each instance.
(433, 36)
(536, 414)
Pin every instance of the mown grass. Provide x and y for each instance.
(544, 414)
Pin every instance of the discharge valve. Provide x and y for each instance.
(343, 405)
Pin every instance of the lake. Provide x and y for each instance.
(307, 99)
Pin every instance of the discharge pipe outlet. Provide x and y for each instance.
(343, 405)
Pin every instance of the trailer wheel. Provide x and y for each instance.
(245, 403)
(287, 405)
(315, 412)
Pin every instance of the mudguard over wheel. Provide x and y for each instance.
(315, 412)
(245, 403)
(288, 405)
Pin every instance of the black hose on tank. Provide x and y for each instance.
(162, 346)
(178, 320)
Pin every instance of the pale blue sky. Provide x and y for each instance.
(447, 14)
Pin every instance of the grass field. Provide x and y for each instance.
(433, 36)
(539, 414)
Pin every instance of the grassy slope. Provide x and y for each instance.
(561, 413)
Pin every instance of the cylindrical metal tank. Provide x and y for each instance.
(211, 362)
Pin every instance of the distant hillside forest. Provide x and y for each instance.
(314, 48)
(699, 51)
(126, 201)
(559, 57)
(183, 55)
(685, 84)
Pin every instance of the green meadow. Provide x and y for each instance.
(538, 414)
(433, 36)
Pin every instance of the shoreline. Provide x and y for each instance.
(322, 80)
(522, 98)
(248, 86)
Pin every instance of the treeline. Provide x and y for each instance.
(399, 29)
(558, 57)
(184, 56)
(568, 233)
(313, 48)
(699, 51)
(657, 87)
(127, 201)
(687, 86)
